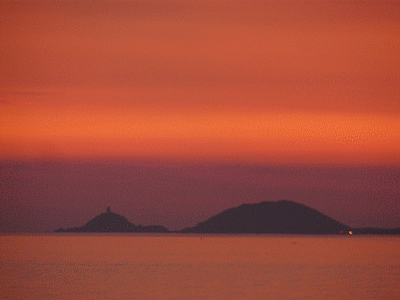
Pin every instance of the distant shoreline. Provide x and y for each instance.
(272, 218)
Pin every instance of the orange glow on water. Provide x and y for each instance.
(169, 267)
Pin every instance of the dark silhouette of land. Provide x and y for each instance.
(282, 217)
(369, 230)
(111, 222)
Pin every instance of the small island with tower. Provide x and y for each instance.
(112, 222)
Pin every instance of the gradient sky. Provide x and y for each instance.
(283, 83)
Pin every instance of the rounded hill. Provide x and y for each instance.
(282, 217)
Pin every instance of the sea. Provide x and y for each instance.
(178, 266)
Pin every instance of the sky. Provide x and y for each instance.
(223, 88)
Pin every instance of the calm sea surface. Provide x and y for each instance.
(199, 267)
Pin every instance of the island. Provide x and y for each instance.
(112, 222)
(281, 217)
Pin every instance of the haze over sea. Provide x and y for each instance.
(134, 266)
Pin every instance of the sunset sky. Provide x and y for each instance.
(291, 84)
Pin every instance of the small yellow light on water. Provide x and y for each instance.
(350, 232)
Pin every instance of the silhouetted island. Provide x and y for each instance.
(111, 222)
(282, 217)
(370, 230)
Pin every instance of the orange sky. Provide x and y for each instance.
(253, 81)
